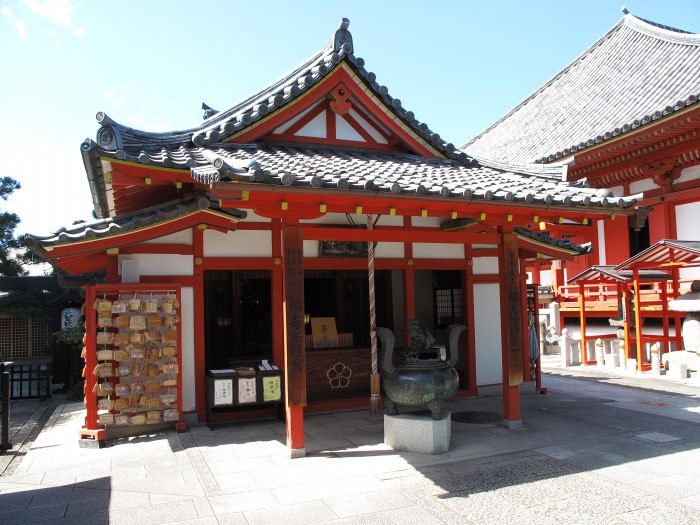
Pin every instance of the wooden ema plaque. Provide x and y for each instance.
(295, 351)
(513, 319)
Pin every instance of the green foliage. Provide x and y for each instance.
(10, 245)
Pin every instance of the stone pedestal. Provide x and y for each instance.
(418, 433)
(678, 371)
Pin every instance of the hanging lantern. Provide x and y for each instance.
(70, 317)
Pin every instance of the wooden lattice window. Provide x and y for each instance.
(449, 306)
(22, 337)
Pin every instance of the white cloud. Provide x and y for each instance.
(21, 27)
(58, 12)
(117, 96)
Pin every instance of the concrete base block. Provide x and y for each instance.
(678, 371)
(296, 453)
(512, 424)
(418, 433)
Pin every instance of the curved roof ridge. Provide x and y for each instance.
(661, 31)
(549, 82)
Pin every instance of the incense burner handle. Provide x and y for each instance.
(386, 337)
(452, 334)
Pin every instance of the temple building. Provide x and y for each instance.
(624, 116)
(245, 245)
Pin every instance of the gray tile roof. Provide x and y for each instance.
(608, 273)
(130, 221)
(218, 125)
(635, 74)
(394, 173)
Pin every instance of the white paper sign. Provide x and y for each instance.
(246, 390)
(223, 391)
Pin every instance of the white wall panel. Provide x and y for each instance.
(641, 186)
(241, 243)
(487, 334)
(181, 237)
(187, 345)
(687, 174)
(438, 251)
(601, 242)
(485, 265)
(161, 264)
(687, 220)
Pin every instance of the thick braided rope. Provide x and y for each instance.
(372, 306)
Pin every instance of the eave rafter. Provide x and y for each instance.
(635, 157)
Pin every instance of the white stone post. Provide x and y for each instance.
(623, 353)
(565, 348)
(655, 359)
(554, 318)
(599, 356)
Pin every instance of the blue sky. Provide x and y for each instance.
(458, 65)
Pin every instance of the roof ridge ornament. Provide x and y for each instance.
(342, 40)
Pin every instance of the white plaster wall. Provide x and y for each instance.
(160, 264)
(687, 219)
(426, 222)
(485, 265)
(284, 127)
(389, 250)
(345, 131)
(181, 237)
(316, 128)
(251, 216)
(311, 248)
(187, 345)
(687, 174)
(239, 243)
(487, 333)
(618, 190)
(545, 277)
(642, 186)
(601, 242)
(438, 251)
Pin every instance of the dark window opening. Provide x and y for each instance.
(448, 298)
(639, 240)
(238, 317)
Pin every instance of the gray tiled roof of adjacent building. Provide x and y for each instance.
(635, 74)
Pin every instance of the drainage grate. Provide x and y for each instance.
(478, 418)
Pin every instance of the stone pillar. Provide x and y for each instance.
(565, 348)
(655, 359)
(599, 353)
(554, 317)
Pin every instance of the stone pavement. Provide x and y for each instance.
(27, 418)
(589, 452)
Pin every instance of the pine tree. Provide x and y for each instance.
(10, 246)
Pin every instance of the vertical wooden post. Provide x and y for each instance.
(200, 365)
(511, 323)
(638, 317)
(582, 322)
(295, 352)
(409, 283)
(90, 358)
(277, 294)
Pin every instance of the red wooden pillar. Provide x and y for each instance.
(295, 352)
(511, 328)
(638, 317)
